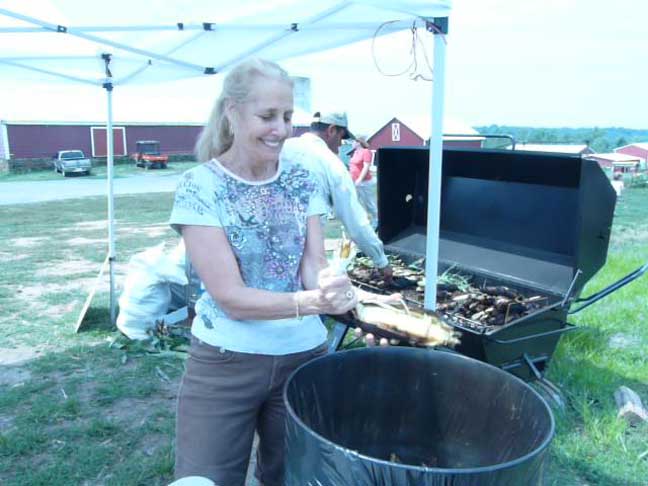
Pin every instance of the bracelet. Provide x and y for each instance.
(297, 315)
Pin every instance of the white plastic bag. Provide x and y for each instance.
(147, 292)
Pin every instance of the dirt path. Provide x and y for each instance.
(11, 359)
(71, 188)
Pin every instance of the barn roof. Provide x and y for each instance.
(615, 157)
(554, 148)
(422, 125)
(99, 123)
(639, 145)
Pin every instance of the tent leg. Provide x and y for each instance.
(435, 164)
(111, 204)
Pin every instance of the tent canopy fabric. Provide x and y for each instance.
(155, 41)
(113, 43)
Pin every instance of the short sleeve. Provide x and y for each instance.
(195, 201)
(317, 204)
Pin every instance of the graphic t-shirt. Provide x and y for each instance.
(265, 224)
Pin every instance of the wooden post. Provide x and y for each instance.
(630, 406)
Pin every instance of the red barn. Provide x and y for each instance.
(41, 140)
(396, 133)
(636, 149)
(617, 162)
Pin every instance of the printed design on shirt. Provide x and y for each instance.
(189, 195)
(266, 225)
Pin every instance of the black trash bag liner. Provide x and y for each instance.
(408, 416)
(400, 283)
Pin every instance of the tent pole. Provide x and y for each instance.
(111, 203)
(439, 26)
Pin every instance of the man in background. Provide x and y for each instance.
(317, 151)
(617, 183)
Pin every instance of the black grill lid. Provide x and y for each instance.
(526, 217)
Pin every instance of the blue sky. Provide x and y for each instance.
(524, 62)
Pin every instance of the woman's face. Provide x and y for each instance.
(263, 122)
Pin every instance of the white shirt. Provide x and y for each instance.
(618, 187)
(338, 190)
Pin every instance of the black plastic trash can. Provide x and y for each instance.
(408, 416)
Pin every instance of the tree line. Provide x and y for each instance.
(599, 139)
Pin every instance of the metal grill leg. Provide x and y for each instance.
(547, 389)
(551, 392)
(338, 334)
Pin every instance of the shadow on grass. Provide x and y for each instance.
(97, 318)
(580, 473)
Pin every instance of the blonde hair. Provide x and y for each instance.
(217, 136)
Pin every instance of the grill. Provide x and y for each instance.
(536, 223)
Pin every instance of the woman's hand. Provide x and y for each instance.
(387, 274)
(337, 296)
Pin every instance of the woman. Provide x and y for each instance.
(252, 231)
(360, 168)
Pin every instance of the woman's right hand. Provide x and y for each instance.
(337, 296)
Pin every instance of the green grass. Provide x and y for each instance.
(88, 416)
(84, 411)
(592, 446)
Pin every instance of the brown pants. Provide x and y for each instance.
(224, 397)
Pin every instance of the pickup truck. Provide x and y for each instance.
(72, 161)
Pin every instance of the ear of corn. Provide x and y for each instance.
(345, 249)
(345, 254)
(425, 329)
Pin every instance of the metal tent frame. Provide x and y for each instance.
(115, 54)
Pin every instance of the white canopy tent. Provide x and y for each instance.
(110, 44)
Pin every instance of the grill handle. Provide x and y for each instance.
(568, 327)
(587, 301)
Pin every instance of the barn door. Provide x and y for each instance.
(100, 142)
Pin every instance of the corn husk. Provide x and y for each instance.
(344, 255)
(345, 248)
